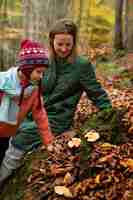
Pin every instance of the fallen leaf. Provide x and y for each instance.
(68, 179)
(97, 179)
(107, 145)
(127, 163)
(62, 190)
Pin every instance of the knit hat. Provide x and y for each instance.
(32, 54)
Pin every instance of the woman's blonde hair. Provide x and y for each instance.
(63, 26)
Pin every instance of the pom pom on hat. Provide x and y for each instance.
(23, 43)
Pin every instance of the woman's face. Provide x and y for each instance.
(63, 44)
(37, 73)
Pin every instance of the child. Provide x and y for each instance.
(20, 92)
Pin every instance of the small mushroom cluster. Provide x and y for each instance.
(74, 142)
(92, 136)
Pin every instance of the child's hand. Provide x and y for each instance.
(49, 139)
(50, 148)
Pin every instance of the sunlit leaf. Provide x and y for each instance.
(62, 190)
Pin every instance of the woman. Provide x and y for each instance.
(67, 77)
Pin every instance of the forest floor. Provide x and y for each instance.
(99, 170)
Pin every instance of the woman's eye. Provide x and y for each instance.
(68, 44)
(60, 44)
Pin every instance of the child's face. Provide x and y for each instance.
(37, 73)
(63, 44)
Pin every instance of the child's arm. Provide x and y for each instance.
(40, 116)
(6, 85)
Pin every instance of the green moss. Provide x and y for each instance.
(108, 124)
(120, 76)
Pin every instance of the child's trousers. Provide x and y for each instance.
(10, 162)
(4, 142)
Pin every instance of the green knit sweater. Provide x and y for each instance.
(64, 83)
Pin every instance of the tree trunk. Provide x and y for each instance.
(85, 11)
(125, 26)
(4, 45)
(76, 11)
(31, 18)
(39, 15)
(118, 35)
(129, 25)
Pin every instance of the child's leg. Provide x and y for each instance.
(21, 143)
(4, 143)
(10, 162)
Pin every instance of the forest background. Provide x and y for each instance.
(94, 171)
(100, 22)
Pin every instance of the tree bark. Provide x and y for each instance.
(130, 25)
(118, 35)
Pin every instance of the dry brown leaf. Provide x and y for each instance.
(127, 163)
(107, 146)
(68, 179)
(97, 179)
(62, 190)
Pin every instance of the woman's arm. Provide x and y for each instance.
(92, 86)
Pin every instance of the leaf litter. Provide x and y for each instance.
(89, 170)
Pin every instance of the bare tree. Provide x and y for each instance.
(118, 35)
(129, 25)
(3, 44)
(31, 19)
(57, 9)
(40, 15)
